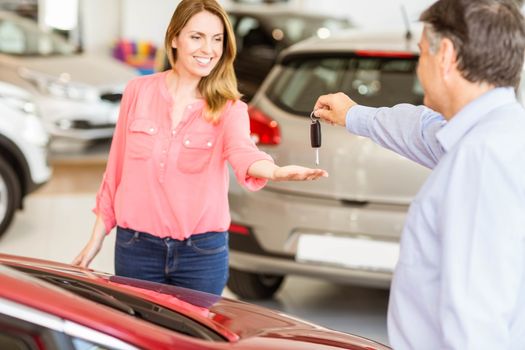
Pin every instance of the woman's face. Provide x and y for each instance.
(199, 45)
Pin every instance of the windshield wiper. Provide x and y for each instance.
(90, 293)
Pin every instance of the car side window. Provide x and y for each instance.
(20, 335)
(35, 330)
(81, 344)
(24, 37)
(12, 38)
(13, 342)
(250, 34)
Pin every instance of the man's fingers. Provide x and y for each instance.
(324, 114)
(323, 102)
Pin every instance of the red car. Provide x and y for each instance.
(47, 305)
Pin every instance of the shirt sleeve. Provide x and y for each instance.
(482, 251)
(405, 129)
(239, 149)
(105, 199)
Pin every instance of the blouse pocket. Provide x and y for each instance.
(195, 152)
(141, 138)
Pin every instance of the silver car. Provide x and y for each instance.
(344, 228)
(23, 151)
(77, 94)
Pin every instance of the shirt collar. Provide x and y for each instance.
(473, 112)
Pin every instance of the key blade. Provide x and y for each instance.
(317, 156)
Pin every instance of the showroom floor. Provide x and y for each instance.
(57, 220)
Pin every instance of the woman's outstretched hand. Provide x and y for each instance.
(297, 173)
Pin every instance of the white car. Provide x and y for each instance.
(79, 95)
(23, 152)
(344, 228)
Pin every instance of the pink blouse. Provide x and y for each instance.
(173, 182)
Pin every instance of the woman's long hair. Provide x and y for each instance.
(221, 84)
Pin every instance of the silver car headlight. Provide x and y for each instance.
(33, 130)
(20, 103)
(60, 86)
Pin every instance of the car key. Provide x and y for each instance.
(315, 136)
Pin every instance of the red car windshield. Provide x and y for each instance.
(127, 303)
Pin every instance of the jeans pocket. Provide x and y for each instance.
(126, 237)
(211, 244)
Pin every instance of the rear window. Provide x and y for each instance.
(370, 81)
(296, 28)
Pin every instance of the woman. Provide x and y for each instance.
(166, 181)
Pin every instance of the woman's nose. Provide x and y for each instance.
(206, 46)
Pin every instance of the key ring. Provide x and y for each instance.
(313, 117)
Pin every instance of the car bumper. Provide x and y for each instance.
(272, 265)
(277, 222)
(78, 119)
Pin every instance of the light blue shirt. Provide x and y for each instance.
(460, 279)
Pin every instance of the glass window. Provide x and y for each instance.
(81, 344)
(12, 342)
(12, 38)
(296, 28)
(131, 305)
(369, 81)
(24, 37)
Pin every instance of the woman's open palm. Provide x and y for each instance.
(297, 173)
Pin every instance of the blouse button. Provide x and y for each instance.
(187, 142)
(151, 129)
(209, 143)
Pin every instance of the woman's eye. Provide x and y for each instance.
(195, 37)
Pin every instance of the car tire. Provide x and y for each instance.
(248, 285)
(10, 195)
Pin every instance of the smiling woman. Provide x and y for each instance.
(166, 181)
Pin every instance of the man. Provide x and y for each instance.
(460, 279)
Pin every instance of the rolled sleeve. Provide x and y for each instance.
(240, 150)
(104, 207)
(105, 200)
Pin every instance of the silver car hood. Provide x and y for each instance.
(97, 71)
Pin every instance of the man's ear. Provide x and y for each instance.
(447, 57)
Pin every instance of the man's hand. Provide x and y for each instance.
(297, 173)
(332, 108)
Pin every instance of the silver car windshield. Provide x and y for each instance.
(23, 37)
(371, 81)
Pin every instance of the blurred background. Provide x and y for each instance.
(65, 63)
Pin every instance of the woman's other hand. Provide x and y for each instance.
(92, 247)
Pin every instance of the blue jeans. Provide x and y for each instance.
(199, 262)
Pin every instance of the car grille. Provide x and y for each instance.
(111, 97)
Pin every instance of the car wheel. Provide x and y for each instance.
(248, 285)
(10, 195)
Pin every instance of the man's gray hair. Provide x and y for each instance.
(433, 38)
(488, 37)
